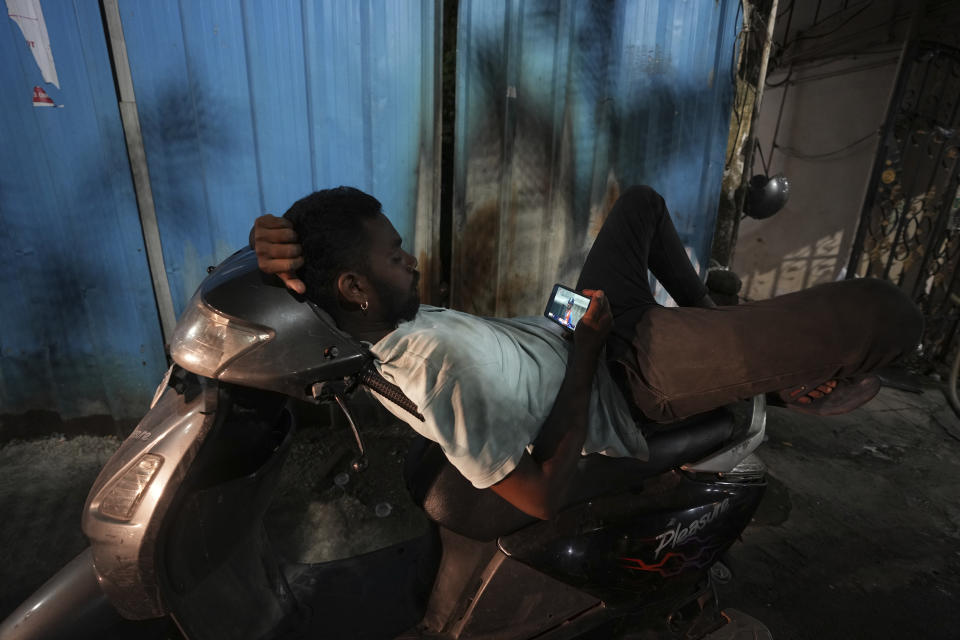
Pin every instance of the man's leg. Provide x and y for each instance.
(673, 363)
(687, 361)
(636, 236)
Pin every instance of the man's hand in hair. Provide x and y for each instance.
(278, 250)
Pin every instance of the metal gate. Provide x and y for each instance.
(909, 229)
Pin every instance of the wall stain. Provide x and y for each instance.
(478, 262)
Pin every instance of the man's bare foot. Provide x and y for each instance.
(801, 395)
(828, 398)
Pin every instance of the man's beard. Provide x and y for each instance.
(398, 307)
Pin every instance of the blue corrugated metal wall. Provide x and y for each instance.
(79, 333)
(563, 104)
(247, 106)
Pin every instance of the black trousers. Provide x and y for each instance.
(676, 362)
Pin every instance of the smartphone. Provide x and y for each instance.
(565, 306)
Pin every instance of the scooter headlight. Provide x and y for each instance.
(121, 499)
(205, 341)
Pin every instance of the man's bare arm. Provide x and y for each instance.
(539, 483)
(278, 250)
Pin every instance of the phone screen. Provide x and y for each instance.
(566, 307)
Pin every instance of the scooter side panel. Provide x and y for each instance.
(628, 548)
(123, 550)
(216, 555)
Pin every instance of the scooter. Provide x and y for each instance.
(175, 517)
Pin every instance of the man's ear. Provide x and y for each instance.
(353, 287)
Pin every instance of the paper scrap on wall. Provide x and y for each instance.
(41, 99)
(29, 17)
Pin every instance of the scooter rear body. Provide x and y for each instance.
(631, 551)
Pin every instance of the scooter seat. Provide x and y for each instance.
(452, 502)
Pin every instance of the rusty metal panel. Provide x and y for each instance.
(246, 106)
(79, 333)
(563, 104)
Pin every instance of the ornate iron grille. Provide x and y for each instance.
(909, 230)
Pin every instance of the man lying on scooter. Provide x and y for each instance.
(489, 388)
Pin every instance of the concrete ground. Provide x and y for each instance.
(857, 537)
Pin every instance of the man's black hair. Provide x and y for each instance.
(330, 225)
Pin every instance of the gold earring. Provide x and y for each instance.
(364, 306)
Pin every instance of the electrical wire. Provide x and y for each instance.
(837, 72)
(886, 24)
(766, 167)
(736, 139)
(774, 85)
(733, 54)
(737, 104)
(832, 31)
(790, 151)
(846, 70)
(759, 24)
(850, 55)
(784, 12)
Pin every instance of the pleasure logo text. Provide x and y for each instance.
(670, 538)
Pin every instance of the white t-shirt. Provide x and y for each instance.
(486, 385)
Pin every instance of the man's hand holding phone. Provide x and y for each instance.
(594, 327)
